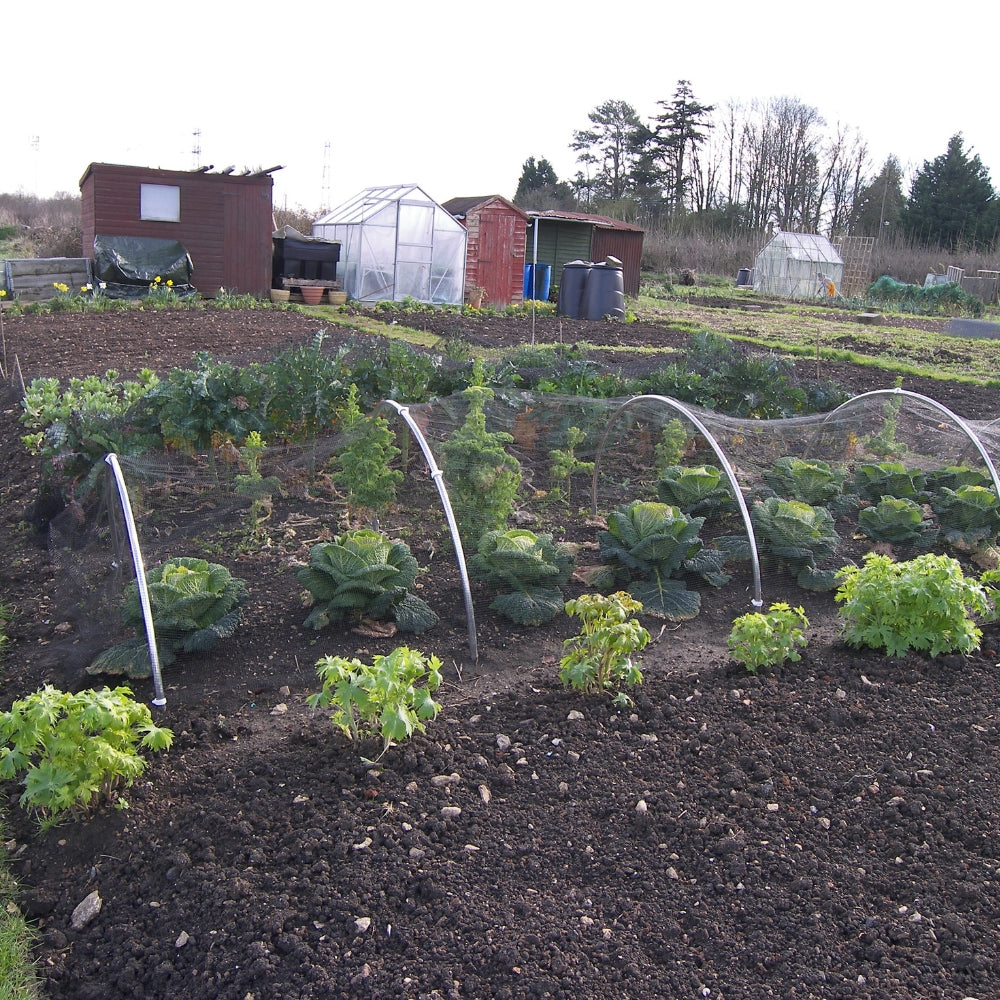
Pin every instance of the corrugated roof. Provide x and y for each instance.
(601, 221)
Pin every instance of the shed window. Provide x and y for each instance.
(159, 203)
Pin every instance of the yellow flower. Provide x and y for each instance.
(158, 279)
(170, 283)
(3, 293)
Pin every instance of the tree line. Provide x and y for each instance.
(745, 167)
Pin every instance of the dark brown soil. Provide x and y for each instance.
(826, 830)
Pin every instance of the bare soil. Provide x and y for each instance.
(828, 830)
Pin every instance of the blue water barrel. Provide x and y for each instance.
(529, 276)
(604, 294)
(543, 281)
(571, 285)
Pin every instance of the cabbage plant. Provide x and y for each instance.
(194, 604)
(810, 481)
(653, 544)
(798, 535)
(699, 489)
(897, 521)
(969, 516)
(528, 569)
(364, 574)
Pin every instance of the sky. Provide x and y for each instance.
(454, 97)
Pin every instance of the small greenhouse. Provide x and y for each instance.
(798, 266)
(397, 243)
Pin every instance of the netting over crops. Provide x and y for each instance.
(573, 461)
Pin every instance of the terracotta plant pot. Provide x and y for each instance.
(280, 294)
(311, 294)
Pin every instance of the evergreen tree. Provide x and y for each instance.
(879, 204)
(952, 201)
(681, 129)
(609, 147)
(539, 188)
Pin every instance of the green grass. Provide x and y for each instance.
(17, 971)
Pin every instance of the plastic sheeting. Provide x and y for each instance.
(127, 265)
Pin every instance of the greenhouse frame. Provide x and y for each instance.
(397, 243)
(798, 265)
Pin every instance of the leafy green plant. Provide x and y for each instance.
(363, 573)
(798, 535)
(363, 467)
(259, 488)
(73, 428)
(658, 542)
(874, 480)
(194, 605)
(922, 604)
(969, 516)
(810, 481)
(528, 568)
(696, 489)
(670, 448)
(392, 696)
(566, 464)
(600, 658)
(76, 750)
(759, 639)
(483, 477)
(884, 443)
(212, 402)
(898, 522)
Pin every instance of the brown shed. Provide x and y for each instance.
(223, 220)
(567, 236)
(495, 250)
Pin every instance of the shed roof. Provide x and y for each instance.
(600, 221)
(460, 207)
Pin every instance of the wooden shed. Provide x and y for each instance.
(567, 236)
(495, 251)
(224, 220)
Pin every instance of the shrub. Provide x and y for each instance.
(767, 640)
(921, 604)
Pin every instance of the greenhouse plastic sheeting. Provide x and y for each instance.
(128, 265)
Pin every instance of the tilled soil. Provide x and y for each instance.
(825, 830)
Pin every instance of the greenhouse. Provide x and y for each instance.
(798, 265)
(397, 243)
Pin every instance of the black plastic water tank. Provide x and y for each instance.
(572, 282)
(604, 294)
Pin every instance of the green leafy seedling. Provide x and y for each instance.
(392, 696)
(767, 640)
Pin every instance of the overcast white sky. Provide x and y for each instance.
(455, 96)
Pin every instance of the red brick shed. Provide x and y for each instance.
(495, 250)
(224, 220)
